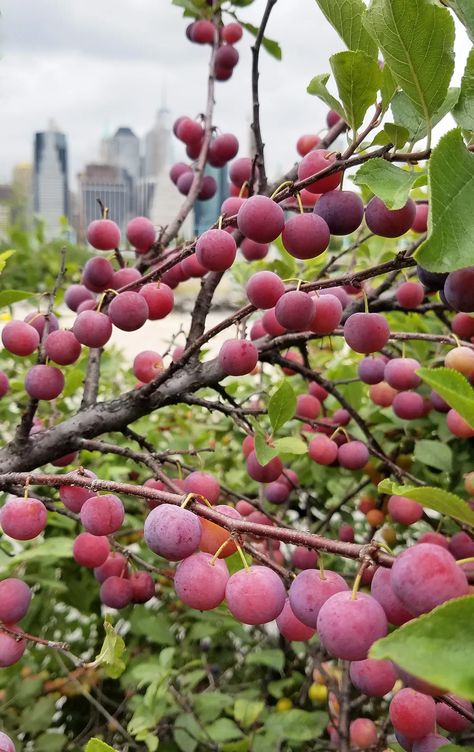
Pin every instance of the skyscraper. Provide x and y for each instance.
(113, 186)
(207, 212)
(50, 179)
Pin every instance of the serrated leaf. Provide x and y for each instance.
(453, 387)
(8, 297)
(110, 656)
(451, 219)
(417, 41)
(345, 16)
(463, 112)
(271, 658)
(246, 712)
(406, 114)
(4, 256)
(317, 87)
(290, 445)
(444, 502)
(446, 632)
(263, 452)
(434, 454)
(282, 405)
(391, 184)
(271, 45)
(97, 745)
(358, 79)
(464, 9)
(397, 134)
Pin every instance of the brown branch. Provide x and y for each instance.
(91, 382)
(344, 697)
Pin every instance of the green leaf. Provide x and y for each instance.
(246, 712)
(209, 705)
(186, 732)
(391, 184)
(8, 297)
(464, 9)
(111, 652)
(453, 387)
(434, 454)
(51, 548)
(271, 46)
(4, 258)
(97, 745)
(282, 405)
(50, 742)
(263, 452)
(388, 88)
(297, 725)
(464, 110)
(446, 632)
(451, 219)
(38, 716)
(291, 445)
(406, 114)
(271, 658)
(392, 134)
(224, 730)
(317, 86)
(444, 502)
(417, 40)
(358, 79)
(345, 16)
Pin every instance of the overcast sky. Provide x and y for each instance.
(94, 65)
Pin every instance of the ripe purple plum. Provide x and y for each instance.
(408, 405)
(98, 274)
(75, 295)
(62, 347)
(15, 599)
(362, 733)
(20, 338)
(425, 576)
(223, 148)
(141, 234)
(44, 382)
(103, 235)
(172, 532)
(264, 289)
(353, 456)
(294, 310)
(92, 328)
(382, 590)
(291, 627)
(159, 298)
(238, 357)
(90, 550)
(115, 565)
(458, 426)
(450, 719)
(323, 450)
(179, 169)
(253, 251)
(4, 384)
(373, 678)
(277, 493)
(240, 171)
(410, 294)
(306, 143)
(304, 558)
(403, 510)
(6, 744)
(348, 626)
(305, 236)
(461, 545)
(116, 592)
(216, 250)
(310, 590)
(23, 519)
(143, 587)
(201, 583)
(73, 497)
(190, 131)
(213, 536)
(371, 369)
(327, 314)
(412, 713)
(232, 32)
(203, 484)
(343, 211)
(102, 515)
(147, 365)
(400, 373)
(271, 325)
(307, 406)
(230, 207)
(255, 595)
(459, 289)
(208, 188)
(11, 649)
(389, 223)
(366, 332)
(429, 743)
(260, 219)
(128, 311)
(263, 473)
(420, 222)
(431, 281)
(463, 325)
(315, 162)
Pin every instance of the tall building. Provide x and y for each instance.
(113, 186)
(123, 150)
(50, 179)
(207, 212)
